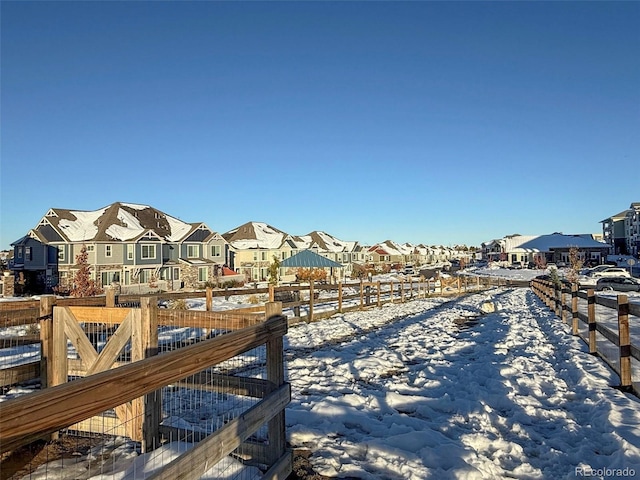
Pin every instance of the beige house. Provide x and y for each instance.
(254, 246)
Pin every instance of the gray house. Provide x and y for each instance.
(127, 244)
(35, 266)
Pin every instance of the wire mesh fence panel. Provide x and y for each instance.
(19, 346)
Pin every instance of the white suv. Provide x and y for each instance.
(612, 272)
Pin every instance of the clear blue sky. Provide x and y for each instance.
(422, 122)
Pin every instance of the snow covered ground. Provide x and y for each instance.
(435, 388)
(512, 396)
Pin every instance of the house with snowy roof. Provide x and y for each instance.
(344, 252)
(544, 249)
(253, 247)
(127, 244)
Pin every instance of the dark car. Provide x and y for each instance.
(619, 284)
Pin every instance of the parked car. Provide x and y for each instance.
(619, 284)
(551, 266)
(599, 268)
(612, 272)
(516, 266)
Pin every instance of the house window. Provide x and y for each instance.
(60, 253)
(255, 256)
(202, 274)
(215, 250)
(148, 251)
(129, 252)
(192, 251)
(90, 248)
(264, 255)
(27, 253)
(145, 275)
(107, 250)
(109, 277)
(20, 252)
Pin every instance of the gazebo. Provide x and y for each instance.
(309, 259)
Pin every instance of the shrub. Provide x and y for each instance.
(180, 304)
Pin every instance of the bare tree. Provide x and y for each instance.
(83, 284)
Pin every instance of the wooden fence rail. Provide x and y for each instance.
(563, 300)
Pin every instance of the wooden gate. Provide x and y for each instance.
(134, 327)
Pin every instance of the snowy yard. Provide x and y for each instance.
(514, 395)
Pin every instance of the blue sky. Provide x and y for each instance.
(423, 122)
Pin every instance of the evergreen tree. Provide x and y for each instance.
(83, 285)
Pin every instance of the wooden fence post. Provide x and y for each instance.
(410, 288)
(310, 316)
(275, 374)
(272, 292)
(625, 342)
(563, 311)
(209, 299)
(340, 297)
(47, 303)
(58, 365)
(574, 309)
(147, 411)
(391, 290)
(402, 291)
(361, 295)
(378, 289)
(46, 339)
(591, 313)
(110, 296)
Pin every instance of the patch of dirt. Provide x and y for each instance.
(25, 460)
(302, 469)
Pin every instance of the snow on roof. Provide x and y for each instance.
(178, 229)
(264, 236)
(135, 206)
(545, 243)
(129, 230)
(118, 221)
(84, 226)
(324, 241)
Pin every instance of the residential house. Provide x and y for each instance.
(322, 243)
(254, 246)
(543, 249)
(35, 266)
(127, 244)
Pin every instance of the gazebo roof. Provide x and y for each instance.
(308, 259)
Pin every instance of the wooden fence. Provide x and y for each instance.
(307, 302)
(564, 300)
(134, 389)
